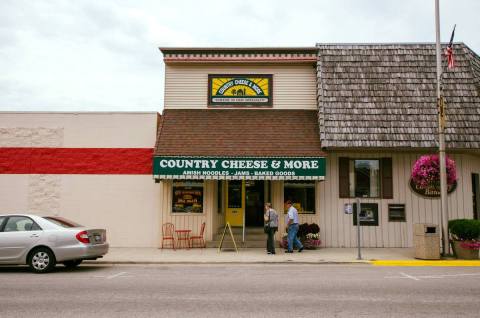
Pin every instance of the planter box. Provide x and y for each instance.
(464, 253)
(307, 244)
(311, 244)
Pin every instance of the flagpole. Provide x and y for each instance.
(441, 138)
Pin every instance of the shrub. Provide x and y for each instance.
(313, 228)
(302, 230)
(464, 229)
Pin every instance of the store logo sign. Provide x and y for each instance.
(247, 90)
(239, 168)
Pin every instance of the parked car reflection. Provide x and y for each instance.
(42, 242)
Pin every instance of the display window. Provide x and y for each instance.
(302, 195)
(187, 196)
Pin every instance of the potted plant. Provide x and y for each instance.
(465, 238)
(302, 231)
(301, 234)
(308, 234)
(312, 239)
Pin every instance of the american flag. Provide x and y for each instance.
(449, 51)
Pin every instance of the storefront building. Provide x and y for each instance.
(319, 126)
(239, 129)
(373, 107)
(377, 116)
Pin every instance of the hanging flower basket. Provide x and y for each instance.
(425, 177)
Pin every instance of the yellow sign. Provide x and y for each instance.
(242, 89)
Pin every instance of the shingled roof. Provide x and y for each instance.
(238, 132)
(384, 96)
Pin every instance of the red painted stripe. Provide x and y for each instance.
(76, 160)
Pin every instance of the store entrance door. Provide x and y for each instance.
(245, 200)
(235, 201)
(255, 201)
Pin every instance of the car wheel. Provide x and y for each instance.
(72, 264)
(41, 260)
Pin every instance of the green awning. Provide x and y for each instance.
(239, 168)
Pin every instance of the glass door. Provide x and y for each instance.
(235, 200)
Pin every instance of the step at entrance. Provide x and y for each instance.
(254, 238)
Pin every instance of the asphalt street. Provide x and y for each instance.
(246, 290)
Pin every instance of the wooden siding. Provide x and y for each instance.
(277, 204)
(337, 230)
(189, 221)
(294, 86)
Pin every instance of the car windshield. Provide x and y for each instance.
(61, 221)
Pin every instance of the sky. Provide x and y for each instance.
(92, 55)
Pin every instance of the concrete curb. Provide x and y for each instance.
(400, 263)
(227, 262)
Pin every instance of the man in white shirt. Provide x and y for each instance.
(292, 228)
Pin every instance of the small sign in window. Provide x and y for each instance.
(368, 214)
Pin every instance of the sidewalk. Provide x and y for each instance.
(119, 255)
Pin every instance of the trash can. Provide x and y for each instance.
(426, 241)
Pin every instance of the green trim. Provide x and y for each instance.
(266, 168)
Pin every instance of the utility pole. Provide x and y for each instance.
(441, 138)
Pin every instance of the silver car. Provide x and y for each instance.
(42, 242)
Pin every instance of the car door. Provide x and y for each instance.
(17, 235)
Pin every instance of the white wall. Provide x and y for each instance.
(128, 206)
(78, 130)
(294, 86)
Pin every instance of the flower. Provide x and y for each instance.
(426, 172)
(475, 245)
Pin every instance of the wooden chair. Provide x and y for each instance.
(168, 232)
(199, 238)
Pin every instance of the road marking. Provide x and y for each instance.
(462, 263)
(116, 275)
(121, 274)
(449, 275)
(439, 276)
(409, 276)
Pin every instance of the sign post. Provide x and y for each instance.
(441, 137)
(348, 209)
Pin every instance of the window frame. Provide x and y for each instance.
(386, 176)
(376, 214)
(380, 183)
(391, 207)
(173, 191)
(315, 184)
